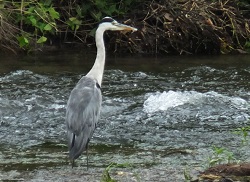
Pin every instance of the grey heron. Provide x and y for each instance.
(84, 103)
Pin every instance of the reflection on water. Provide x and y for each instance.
(156, 114)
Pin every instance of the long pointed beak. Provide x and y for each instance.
(126, 27)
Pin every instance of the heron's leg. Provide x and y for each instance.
(73, 163)
(87, 153)
(72, 145)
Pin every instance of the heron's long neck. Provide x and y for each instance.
(96, 71)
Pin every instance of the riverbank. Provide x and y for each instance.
(171, 27)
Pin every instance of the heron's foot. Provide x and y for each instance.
(73, 163)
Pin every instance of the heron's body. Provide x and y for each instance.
(83, 110)
(83, 106)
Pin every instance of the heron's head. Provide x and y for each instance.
(109, 23)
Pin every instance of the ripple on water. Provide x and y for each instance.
(193, 108)
(31, 104)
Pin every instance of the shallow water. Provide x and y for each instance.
(159, 115)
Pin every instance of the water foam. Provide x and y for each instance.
(163, 101)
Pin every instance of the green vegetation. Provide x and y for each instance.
(221, 155)
(38, 18)
(106, 177)
(33, 21)
(176, 27)
(243, 132)
(223, 162)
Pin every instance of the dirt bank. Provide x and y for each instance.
(165, 27)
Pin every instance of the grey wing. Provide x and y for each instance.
(82, 114)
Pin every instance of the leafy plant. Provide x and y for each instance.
(247, 46)
(23, 41)
(99, 8)
(74, 23)
(106, 177)
(220, 155)
(38, 17)
(187, 175)
(243, 131)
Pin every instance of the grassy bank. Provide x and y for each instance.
(165, 27)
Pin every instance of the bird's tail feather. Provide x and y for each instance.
(77, 144)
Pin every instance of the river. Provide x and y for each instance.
(160, 116)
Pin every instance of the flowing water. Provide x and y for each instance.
(160, 116)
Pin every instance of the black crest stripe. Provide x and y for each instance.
(106, 19)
